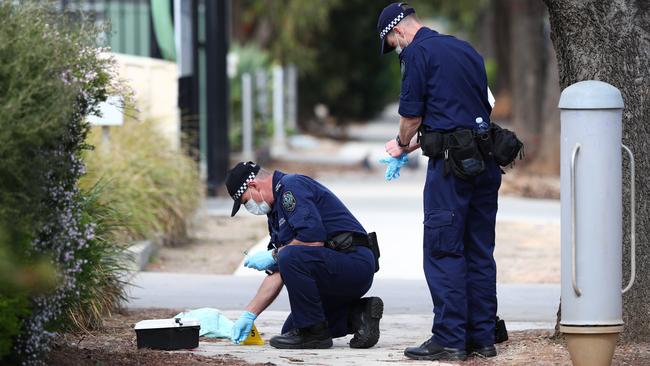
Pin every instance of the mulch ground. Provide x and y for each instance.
(115, 344)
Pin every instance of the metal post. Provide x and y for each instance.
(216, 47)
(278, 110)
(292, 97)
(183, 32)
(262, 94)
(591, 190)
(106, 140)
(247, 117)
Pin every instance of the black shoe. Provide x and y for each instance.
(486, 351)
(369, 311)
(500, 331)
(314, 337)
(430, 350)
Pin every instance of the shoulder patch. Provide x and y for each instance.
(288, 201)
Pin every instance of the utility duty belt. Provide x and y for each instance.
(465, 151)
(348, 241)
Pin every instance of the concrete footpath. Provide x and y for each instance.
(531, 306)
(398, 331)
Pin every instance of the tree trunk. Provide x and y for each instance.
(501, 32)
(547, 161)
(528, 71)
(610, 41)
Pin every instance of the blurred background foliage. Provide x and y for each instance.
(335, 45)
(251, 59)
(150, 188)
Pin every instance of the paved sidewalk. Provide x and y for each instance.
(533, 306)
(397, 333)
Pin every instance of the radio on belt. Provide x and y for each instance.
(168, 334)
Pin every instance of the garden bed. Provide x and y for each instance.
(115, 345)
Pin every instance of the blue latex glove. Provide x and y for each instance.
(242, 327)
(213, 323)
(394, 165)
(260, 261)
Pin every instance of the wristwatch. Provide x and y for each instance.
(399, 142)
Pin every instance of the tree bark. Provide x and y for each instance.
(528, 70)
(610, 41)
(501, 31)
(547, 160)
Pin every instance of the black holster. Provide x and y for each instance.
(348, 241)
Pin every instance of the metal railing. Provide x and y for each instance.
(130, 23)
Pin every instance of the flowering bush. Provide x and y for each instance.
(52, 75)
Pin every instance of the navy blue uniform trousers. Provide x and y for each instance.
(324, 284)
(459, 230)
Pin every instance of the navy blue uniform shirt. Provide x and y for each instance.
(305, 210)
(444, 82)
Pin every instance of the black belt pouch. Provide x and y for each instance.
(463, 155)
(431, 144)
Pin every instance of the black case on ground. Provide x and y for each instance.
(168, 334)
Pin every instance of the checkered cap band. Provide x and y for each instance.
(243, 187)
(390, 25)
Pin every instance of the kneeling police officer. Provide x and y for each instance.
(319, 250)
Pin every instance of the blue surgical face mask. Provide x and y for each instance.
(256, 208)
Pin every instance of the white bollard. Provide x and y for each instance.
(591, 191)
(261, 94)
(247, 117)
(279, 138)
(292, 97)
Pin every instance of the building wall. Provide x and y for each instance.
(155, 86)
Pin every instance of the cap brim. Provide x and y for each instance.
(235, 207)
(385, 47)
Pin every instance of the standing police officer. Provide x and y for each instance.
(444, 96)
(318, 250)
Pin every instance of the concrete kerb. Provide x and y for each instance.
(141, 252)
(136, 257)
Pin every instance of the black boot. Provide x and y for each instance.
(500, 331)
(430, 350)
(365, 322)
(315, 336)
(485, 351)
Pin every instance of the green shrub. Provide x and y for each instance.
(155, 186)
(52, 75)
(13, 308)
(99, 285)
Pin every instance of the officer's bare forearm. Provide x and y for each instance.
(268, 291)
(414, 145)
(408, 128)
(311, 244)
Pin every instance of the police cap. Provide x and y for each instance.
(388, 19)
(237, 180)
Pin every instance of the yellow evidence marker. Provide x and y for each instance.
(254, 338)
